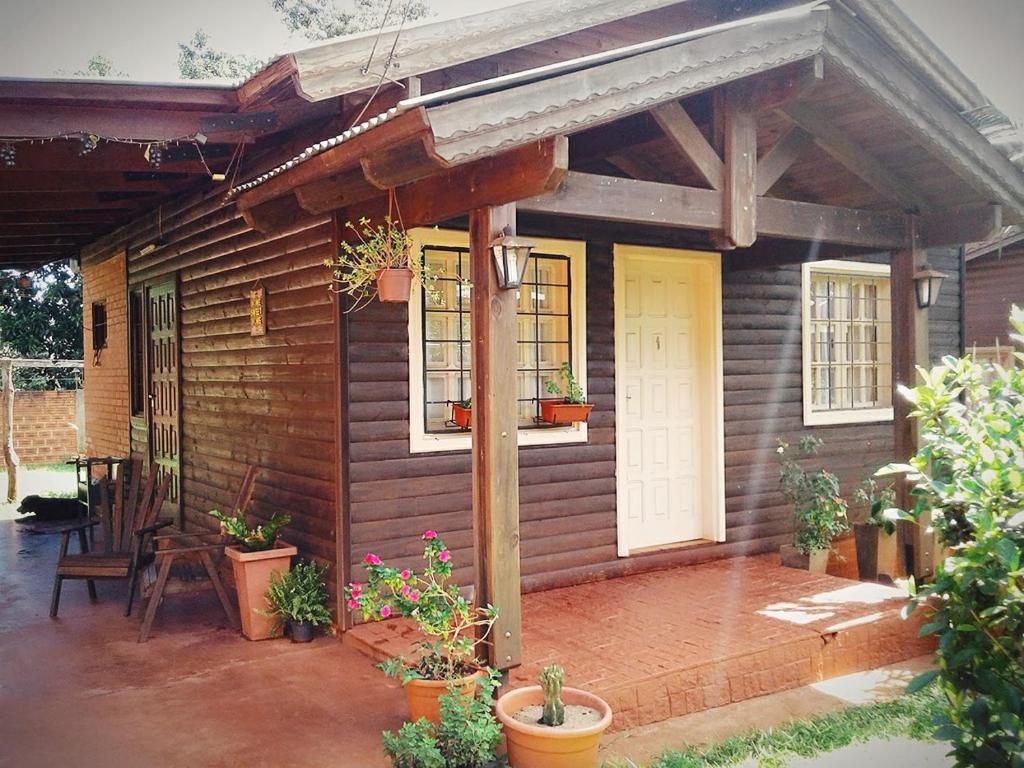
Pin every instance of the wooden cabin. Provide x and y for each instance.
(993, 283)
(729, 202)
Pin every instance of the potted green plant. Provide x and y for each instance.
(819, 510)
(377, 261)
(257, 555)
(462, 413)
(548, 726)
(875, 536)
(298, 600)
(450, 624)
(572, 407)
(466, 735)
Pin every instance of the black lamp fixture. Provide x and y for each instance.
(510, 256)
(927, 282)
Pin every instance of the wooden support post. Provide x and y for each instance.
(740, 203)
(7, 427)
(495, 438)
(909, 350)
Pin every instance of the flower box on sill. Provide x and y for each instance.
(462, 415)
(563, 412)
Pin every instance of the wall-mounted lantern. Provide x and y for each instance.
(510, 256)
(927, 282)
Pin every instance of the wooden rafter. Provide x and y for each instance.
(776, 161)
(688, 140)
(853, 157)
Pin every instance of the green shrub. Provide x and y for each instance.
(969, 473)
(300, 594)
(819, 510)
(254, 539)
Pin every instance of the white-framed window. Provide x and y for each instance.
(847, 342)
(552, 330)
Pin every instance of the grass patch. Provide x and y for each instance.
(909, 716)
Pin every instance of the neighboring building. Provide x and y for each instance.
(995, 282)
(708, 303)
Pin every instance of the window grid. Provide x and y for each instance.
(851, 341)
(532, 294)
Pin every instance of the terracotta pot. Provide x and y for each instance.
(462, 415)
(792, 557)
(423, 695)
(876, 551)
(394, 285)
(538, 746)
(561, 412)
(252, 572)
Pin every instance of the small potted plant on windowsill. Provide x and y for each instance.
(462, 413)
(299, 600)
(876, 536)
(258, 555)
(542, 731)
(447, 620)
(819, 510)
(377, 261)
(572, 408)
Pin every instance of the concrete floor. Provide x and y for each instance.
(80, 691)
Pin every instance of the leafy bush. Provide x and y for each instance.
(573, 392)
(254, 539)
(819, 510)
(300, 594)
(969, 473)
(467, 736)
(879, 502)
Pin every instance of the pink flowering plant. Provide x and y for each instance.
(452, 626)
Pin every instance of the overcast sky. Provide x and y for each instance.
(38, 37)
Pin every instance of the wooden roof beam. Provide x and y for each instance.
(776, 161)
(739, 193)
(854, 158)
(590, 196)
(67, 201)
(972, 224)
(83, 215)
(688, 140)
(336, 192)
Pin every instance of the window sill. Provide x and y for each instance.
(837, 418)
(462, 441)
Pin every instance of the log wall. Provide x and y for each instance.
(994, 283)
(264, 400)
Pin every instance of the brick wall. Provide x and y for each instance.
(44, 426)
(106, 376)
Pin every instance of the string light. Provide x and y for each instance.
(8, 154)
(89, 142)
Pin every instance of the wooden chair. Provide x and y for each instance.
(128, 521)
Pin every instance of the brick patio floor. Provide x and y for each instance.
(674, 642)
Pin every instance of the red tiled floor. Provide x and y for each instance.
(673, 642)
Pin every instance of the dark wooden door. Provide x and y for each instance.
(164, 390)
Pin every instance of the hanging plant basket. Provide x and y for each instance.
(564, 412)
(394, 285)
(462, 415)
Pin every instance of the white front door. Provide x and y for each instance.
(668, 397)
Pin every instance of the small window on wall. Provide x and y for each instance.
(99, 325)
(137, 347)
(847, 343)
(551, 331)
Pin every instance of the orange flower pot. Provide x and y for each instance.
(538, 746)
(252, 571)
(561, 412)
(423, 695)
(462, 415)
(394, 285)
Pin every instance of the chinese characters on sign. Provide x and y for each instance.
(258, 310)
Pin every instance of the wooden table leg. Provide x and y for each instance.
(222, 595)
(83, 547)
(157, 594)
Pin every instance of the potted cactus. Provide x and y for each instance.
(451, 626)
(256, 557)
(572, 407)
(549, 726)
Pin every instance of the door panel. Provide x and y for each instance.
(665, 398)
(164, 393)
